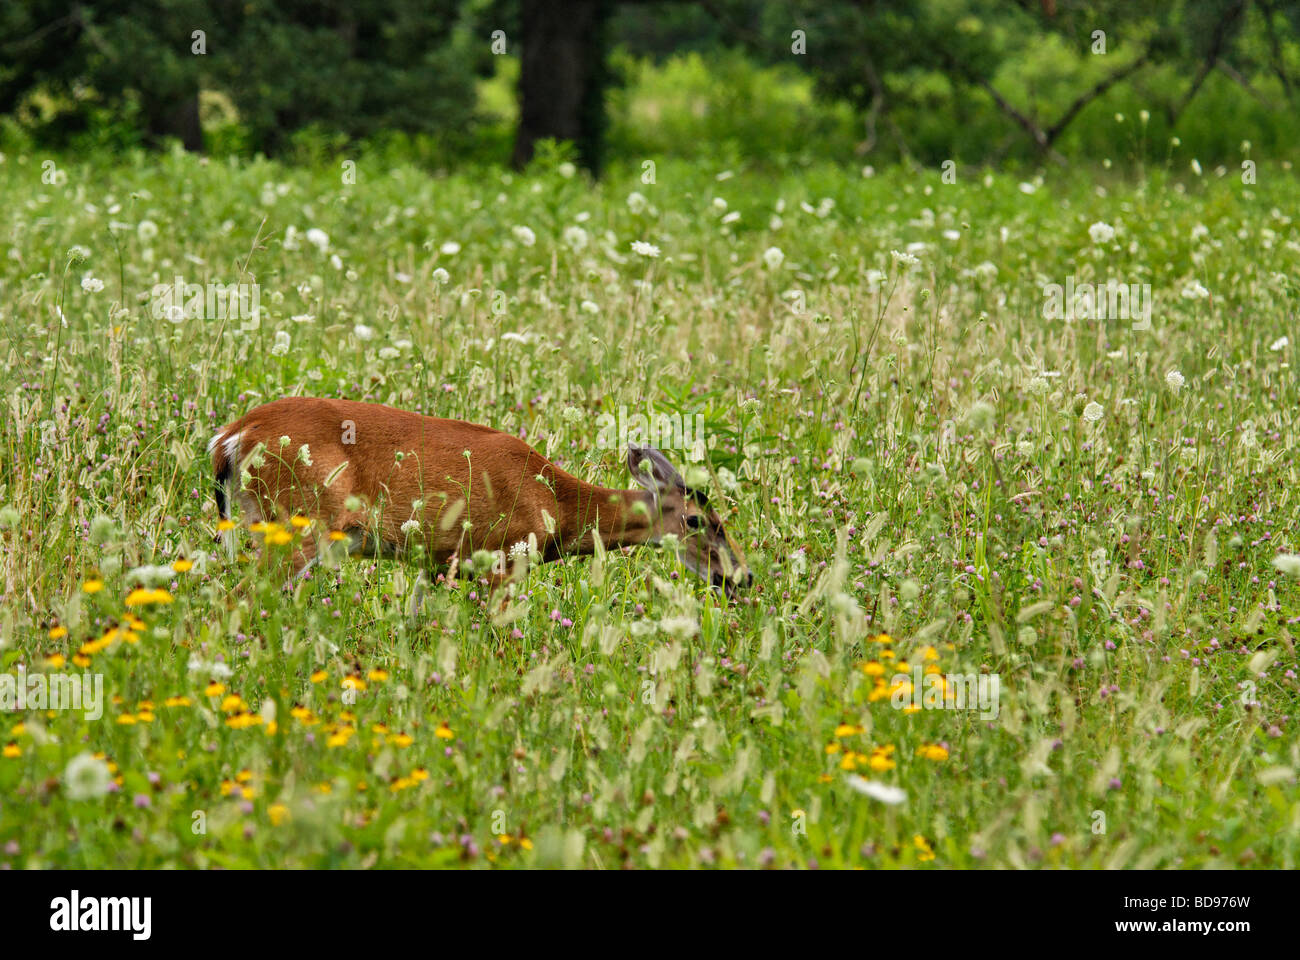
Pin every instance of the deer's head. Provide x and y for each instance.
(702, 544)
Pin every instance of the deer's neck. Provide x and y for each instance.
(623, 518)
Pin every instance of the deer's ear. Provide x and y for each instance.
(651, 469)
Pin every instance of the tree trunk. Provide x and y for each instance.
(562, 77)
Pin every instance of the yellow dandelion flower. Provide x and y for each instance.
(93, 585)
(279, 538)
(182, 565)
(299, 521)
(337, 535)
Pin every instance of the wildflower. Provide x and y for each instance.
(1101, 233)
(1093, 412)
(12, 751)
(140, 597)
(318, 238)
(1175, 380)
(57, 633)
(1281, 343)
(444, 732)
(319, 676)
(886, 794)
(1194, 291)
(87, 776)
(636, 202)
(93, 585)
(214, 689)
(524, 235)
(182, 565)
(932, 751)
(277, 812)
(645, 249)
(92, 284)
(773, 257)
(904, 259)
(281, 345)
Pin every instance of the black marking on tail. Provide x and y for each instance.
(223, 480)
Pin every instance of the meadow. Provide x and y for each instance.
(928, 475)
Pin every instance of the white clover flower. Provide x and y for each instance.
(1093, 412)
(86, 777)
(410, 528)
(645, 249)
(1281, 343)
(1101, 233)
(884, 792)
(773, 257)
(450, 248)
(318, 238)
(1175, 380)
(1194, 291)
(636, 202)
(281, 345)
(92, 284)
(524, 235)
(440, 276)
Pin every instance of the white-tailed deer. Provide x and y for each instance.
(390, 482)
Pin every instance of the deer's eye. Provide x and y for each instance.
(693, 521)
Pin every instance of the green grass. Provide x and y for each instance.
(906, 455)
